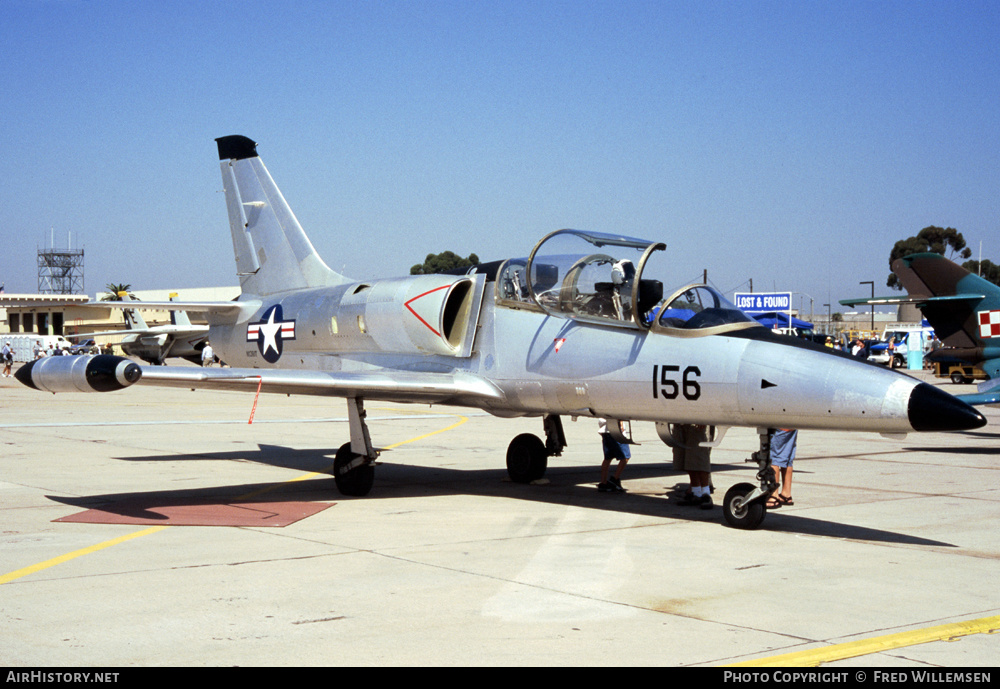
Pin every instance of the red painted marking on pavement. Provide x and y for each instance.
(200, 513)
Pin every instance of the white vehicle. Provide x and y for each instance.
(23, 344)
(900, 336)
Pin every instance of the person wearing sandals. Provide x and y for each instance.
(783, 444)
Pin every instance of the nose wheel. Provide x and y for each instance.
(745, 504)
(741, 509)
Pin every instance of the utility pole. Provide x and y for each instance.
(872, 283)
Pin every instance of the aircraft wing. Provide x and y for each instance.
(891, 301)
(989, 394)
(203, 330)
(437, 388)
(216, 312)
(981, 399)
(218, 307)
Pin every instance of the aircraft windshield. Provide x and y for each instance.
(593, 277)
(512, 285)
(701, 310)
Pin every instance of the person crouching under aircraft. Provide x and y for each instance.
(612, 450)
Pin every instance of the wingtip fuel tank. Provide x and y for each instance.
(101, 373)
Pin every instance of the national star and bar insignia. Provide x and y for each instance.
(270, 332)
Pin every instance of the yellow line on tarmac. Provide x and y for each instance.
(878, 644)
(462, 419)
(5, 578)
(304, 477)
(25, 571)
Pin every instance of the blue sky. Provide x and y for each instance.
(788, 142)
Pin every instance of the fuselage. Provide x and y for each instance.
(550, 365)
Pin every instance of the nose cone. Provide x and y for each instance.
(931, 409)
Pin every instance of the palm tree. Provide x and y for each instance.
(114, 292)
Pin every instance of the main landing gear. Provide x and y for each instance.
(528, 456)
(744, 506)
(354, 463)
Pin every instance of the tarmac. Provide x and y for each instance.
(157, 527)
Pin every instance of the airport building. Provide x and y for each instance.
(64, 314)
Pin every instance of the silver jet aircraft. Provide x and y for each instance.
(587, 324)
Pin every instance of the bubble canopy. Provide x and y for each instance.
(592, 276)
(609, 279)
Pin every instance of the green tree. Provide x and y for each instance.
(946, 241)
(439, 263)
(987, 270)
(114, 290)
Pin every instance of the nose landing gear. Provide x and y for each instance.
(745, 505)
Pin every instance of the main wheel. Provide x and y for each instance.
(356, 482)
(740, 515)
(527, 458)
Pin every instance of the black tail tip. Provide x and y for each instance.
(236, 147)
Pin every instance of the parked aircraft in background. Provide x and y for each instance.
(586, 325)
(963, 309)
(155, 344)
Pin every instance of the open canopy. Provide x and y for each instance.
(611, 279)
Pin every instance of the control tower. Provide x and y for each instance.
(60, 271)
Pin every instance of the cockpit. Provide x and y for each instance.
(612, 280)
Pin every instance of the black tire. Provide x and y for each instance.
(527, 458)
(957, 378)
(355, 482)
(738, 515)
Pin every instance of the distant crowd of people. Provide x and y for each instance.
(38, 351)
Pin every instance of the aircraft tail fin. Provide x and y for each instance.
(273, 253)
(180, 318)
(133, 319)
(955, 298)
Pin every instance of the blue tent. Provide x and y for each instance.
(779, 319)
